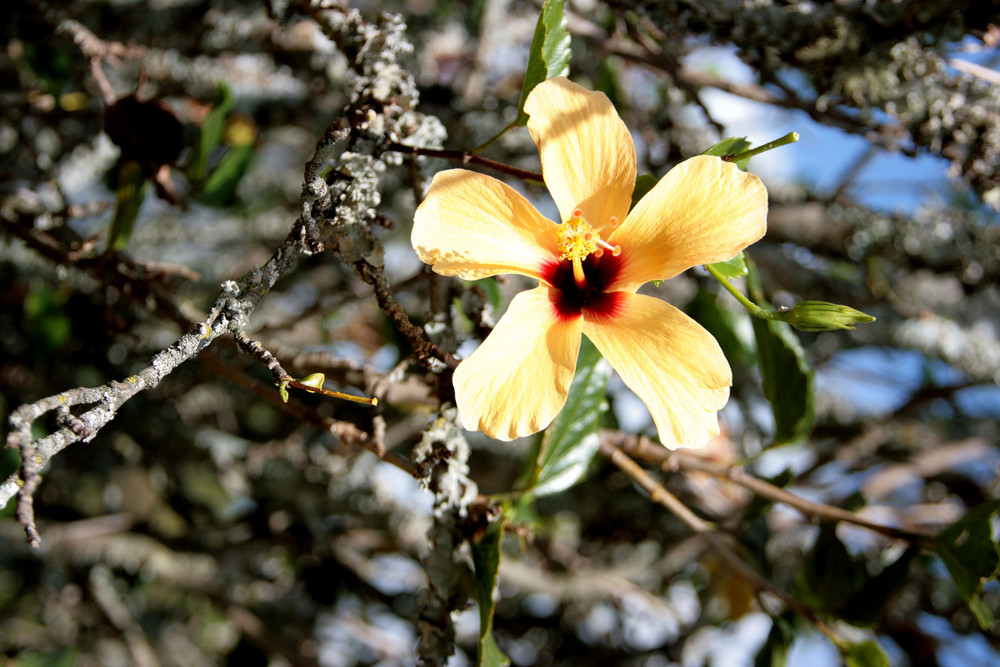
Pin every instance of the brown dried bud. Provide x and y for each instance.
(147, 132)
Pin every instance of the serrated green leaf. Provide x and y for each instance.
(785, 370)
(550, 52)
(210, 133)
(731, 146)
(572, 440)
(968, 550)
(486, 563)
(128, 198)
(643, 184)
(866, 654)
(732, 268)
(221, 185)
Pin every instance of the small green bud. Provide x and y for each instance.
(822, 316)
(315, 380)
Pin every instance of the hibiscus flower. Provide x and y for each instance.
(588, 270)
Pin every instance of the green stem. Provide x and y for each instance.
(754, 309)
(789, 138)
(482, 147)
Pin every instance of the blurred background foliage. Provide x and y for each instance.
(206, 525)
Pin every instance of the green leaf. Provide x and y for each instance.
(786, 373)
(643, 184)
(968, 550)
(486, 563)
(866, 654)
(775, 649)
(221, 185)
(866, 605)
(58, 658)
(732, 268)
(550, 52)
(830, 575)
(128, 198)
(490, 288)
(314, 380)
(490, 654)
(724, 324)
(212, 129)
(46, 321)
(731, 146)
(572, 440)
(10, 461)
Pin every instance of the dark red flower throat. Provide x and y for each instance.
(570, 299)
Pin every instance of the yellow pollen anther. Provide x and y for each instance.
(578, 240)
(614, 222)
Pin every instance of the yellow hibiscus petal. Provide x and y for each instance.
(674, 365)
(471, 225)
(517, 381)
(704, 210)
(588, 158)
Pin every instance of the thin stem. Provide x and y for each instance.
(348, 433)
(789, 138)
(686, 461)
(468, 157)
(364, 400)
(754, 309)
(808, 508)
(660, 495)
(490, 142)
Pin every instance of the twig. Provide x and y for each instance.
(96, 50)
(257, 351)
(260, 634)
(976, 70)
(468, 157)
(105, 401)
(851, 172)
(346, 432)
(426, 352)
(691, 462)
(891, 137)
(659, 494)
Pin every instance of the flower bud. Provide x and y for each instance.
(822, 316)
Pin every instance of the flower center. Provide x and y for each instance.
(578, 240)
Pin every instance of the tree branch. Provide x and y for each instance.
(686, 461)
(659, 494)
